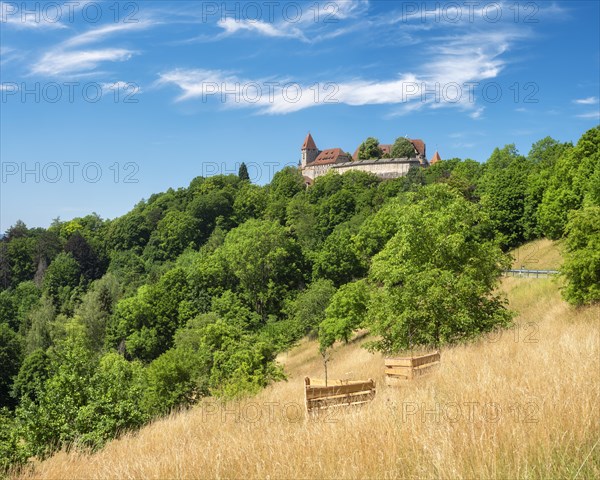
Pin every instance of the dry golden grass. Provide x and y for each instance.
(523, 404)
(542, 254)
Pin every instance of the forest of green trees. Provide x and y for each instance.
(106, 324)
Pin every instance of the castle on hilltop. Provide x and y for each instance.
(315, 162)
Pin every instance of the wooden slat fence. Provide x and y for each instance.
(339, 393)
(398, 370)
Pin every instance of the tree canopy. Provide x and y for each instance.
(369, 149)
(403, 148)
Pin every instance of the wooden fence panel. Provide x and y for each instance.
(398, 370)
(342, 393)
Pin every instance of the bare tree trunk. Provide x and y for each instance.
(325, 355)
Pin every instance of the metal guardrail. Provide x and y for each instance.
(530, 273)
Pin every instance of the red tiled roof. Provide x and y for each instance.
(419, 146)
(328, 156)
(309, 143)
(436, 158)
(386, 149)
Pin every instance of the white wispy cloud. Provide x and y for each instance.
(455, 58)
(100, 33)
(5, 87)
(316, 22)
(69, 59)
(477, 113)
(448, 79)
(586, 101)
(282, 30)
(57, 63)
(15, 15)
(9, 54)
(343, 9)
(589, 115)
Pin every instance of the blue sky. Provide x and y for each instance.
(104, 103)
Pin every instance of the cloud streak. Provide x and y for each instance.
(586, 101)
(59, 63)
(69, 59)
(448, 80)
(308, 27)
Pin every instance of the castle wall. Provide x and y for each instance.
(381, 168)
(314, 171)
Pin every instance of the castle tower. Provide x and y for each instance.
(436, 158)
(309, 151)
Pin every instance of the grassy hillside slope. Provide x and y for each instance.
(542, 254)
(521, 404)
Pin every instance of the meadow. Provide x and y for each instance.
(521, 403)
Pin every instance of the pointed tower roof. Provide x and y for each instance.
(436, 158)
(309, 143)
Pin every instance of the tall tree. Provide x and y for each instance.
(89, 263)
(266, 261)
(243, 172)
(11, 351)
(403, 148)
(62, 276)
(573, 181)
(503, 189)
(369, 149)
(437, 275)
(346, 312)
(582, 262)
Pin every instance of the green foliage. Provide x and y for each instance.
(369, 149)
(437, 276)
(61, 278)
(403, 148)
(346, 312)
(337, 260)
(21, 257)
(543, 157)
(173, 234)
(96, 308)
(172, 381)
(582, 263)
(572, 182)
(302, 221)
(12, 452)
(230, 308)
(286, 183)
(33, 373)
(129, 269)
(209, 210)
(223, 360)
(11, 352)
(146, 322)
(250, 202)
(51, 421)
(40, 321)
(503, 189)
(307, 310)
(266, 262)
(90, 264)
(8, 310)
(131, 231)
(336, 209)
(114, 401)
(243, 172)
(78, 400)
